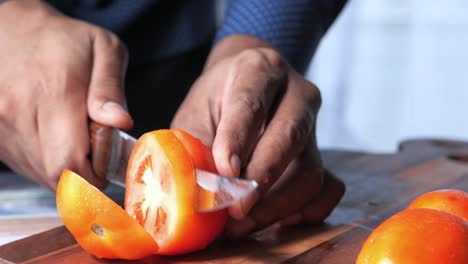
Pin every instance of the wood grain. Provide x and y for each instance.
(378, 185)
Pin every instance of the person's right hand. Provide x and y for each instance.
(55, 72)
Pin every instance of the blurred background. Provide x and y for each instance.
(393, 70)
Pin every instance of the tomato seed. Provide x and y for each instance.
(143, 167)
(160, 219)
(140, 216)
(98, 230)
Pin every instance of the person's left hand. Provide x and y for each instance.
(259, 116)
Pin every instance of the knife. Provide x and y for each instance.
(111, 150)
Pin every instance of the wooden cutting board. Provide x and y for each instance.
(378, 185)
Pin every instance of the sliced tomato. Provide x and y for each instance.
(99, 225)
(161, 191)
(201, 155)
(203, 159)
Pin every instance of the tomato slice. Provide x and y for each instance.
(201, 155)
(99, 225)
(203, 159)
(161, 191)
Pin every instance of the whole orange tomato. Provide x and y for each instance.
(417, 236)
(451, 201)
(162, 193)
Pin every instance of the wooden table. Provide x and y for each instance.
(378, 185)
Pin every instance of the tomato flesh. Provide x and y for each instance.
(161, 193)
(152, 193)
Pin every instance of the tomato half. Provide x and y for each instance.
(161, 191)
(99, 225)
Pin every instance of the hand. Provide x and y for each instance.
(55, 71)
(259, 116)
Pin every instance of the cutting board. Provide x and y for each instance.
(378, 185)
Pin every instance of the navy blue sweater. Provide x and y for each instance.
(156, 29)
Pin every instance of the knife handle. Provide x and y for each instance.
(101, 142)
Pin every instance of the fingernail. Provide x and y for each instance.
(242, 227)
(113, 107)
(242, 207)
(235, 164)
(236, 211)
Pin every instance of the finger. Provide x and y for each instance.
(292, 220)
(320, 208)
(283, 140)
(64, 136)
(196, 114)
(300, 183)
(106, 97)
(250, 88)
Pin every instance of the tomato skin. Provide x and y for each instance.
(186, 230)
(449, 200)
(203, 159)
(416, 236)
(83, 208)
(201, 154)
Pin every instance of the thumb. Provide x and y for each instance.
(106, 96)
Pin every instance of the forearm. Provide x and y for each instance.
(293, 27)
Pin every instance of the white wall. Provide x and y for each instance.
(393, 69)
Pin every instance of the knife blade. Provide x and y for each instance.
(111, 149)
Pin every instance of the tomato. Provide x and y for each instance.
(202, 159)
(99, 225)
(161, 191)
(417, 236)
(451, 201)
(201, 155)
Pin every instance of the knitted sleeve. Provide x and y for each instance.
(294, 27)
